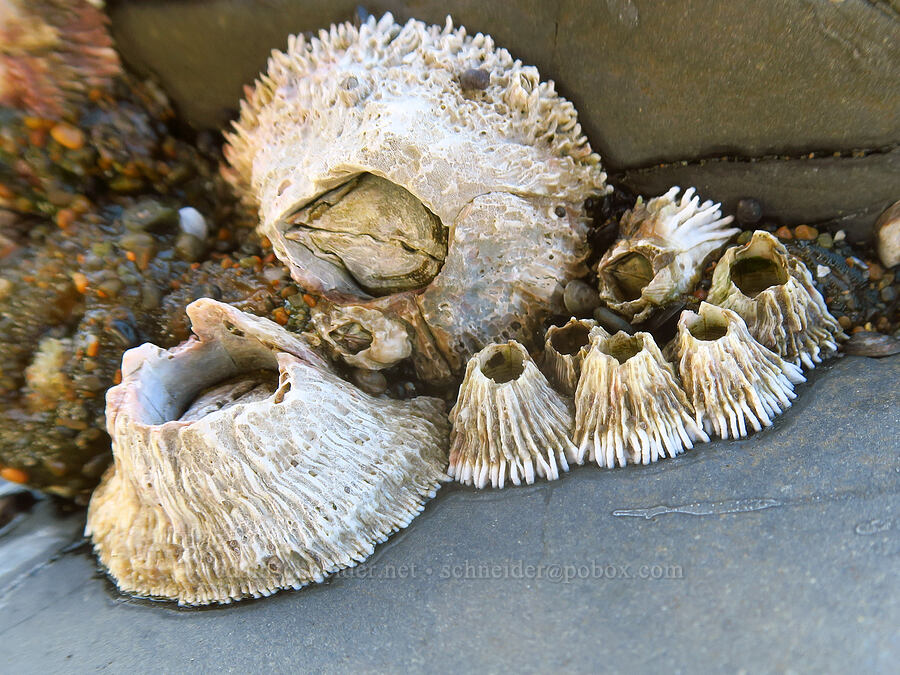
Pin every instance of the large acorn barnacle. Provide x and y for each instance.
(385, 179)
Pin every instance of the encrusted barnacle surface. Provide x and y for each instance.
(774, 293)
(731, 379)
(52, 53)
(629, 406)
(242, 465)
(384, 179)
(661, 251)
(508, 422)
(564, 350)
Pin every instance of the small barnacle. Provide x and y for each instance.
(661, 252)
(508, 423)
(564, 350)
(629, 406)
(730, 378)
(372, 154)
(773, 293)
(243, 465)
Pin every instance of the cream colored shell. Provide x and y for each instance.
(774, 294)
(629, 405)
(506, 169)
(508, 423)
(731, 379)
(273, 490)
(661, 251)
(564, 350)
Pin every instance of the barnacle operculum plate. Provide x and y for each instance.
(629, 406)
(383, 180)
(774, 293)
(508, 423)
(730, 378)
(661, 252)
(242, 465)
(564, 350)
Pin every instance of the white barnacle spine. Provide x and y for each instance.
(508, 422)
(276, 476)
(774, 294)
(564, 350)
(731, 379)
(629, 406)
(661, 251)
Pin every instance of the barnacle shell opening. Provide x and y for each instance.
(384, 179)
(731, 379)
(773, 292)
(225, 489)
(508, 422)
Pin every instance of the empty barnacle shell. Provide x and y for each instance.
(564, 350)
(773, 292)
(661, 252)
(508, 423)
(629, 406)
(52, 54)
(730, 378)
(242, 465)
(365, 338)
(385, 181)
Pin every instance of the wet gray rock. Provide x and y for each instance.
(787, 539)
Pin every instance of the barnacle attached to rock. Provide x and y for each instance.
(730, 378)
(774, 293)
(385, 180)
(661, 252)
(564, 350)
(52, 54)
(242, 465)
(508, 423)
(629, 406)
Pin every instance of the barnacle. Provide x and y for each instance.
(508, 423)
(384, 180)
(52, 53)
(774, 293)
(661, 252)
(629, 406)
(730, 378)
(242, 465)
(564, 350)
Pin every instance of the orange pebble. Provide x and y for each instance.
(80, 281)
(784, 233)
(130, 255)
(68, 136)
(309, 300)
(117, 378)
(805, 232)
(93, 347)
(64, 218)
(5, 192)
(280, 316)
(13, 475)
(700, 294)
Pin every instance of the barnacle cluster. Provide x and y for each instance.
(426, 199)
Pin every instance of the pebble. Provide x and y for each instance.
(191, 221)
(611, 321)
(189, 248)
(580, 299)
(889, 294)
(887, 236)
(475, 79)
(839, 236)
(825, 240)
(68, 136)
(784, 233)
(148, 214)
(744, 237)
(748, 211)
(805, 232)
(370, 381)
(868, 343)
(876, 271)
(845, 322)
(5, 287)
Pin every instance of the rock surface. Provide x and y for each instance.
(787, 539)
(653, 82)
